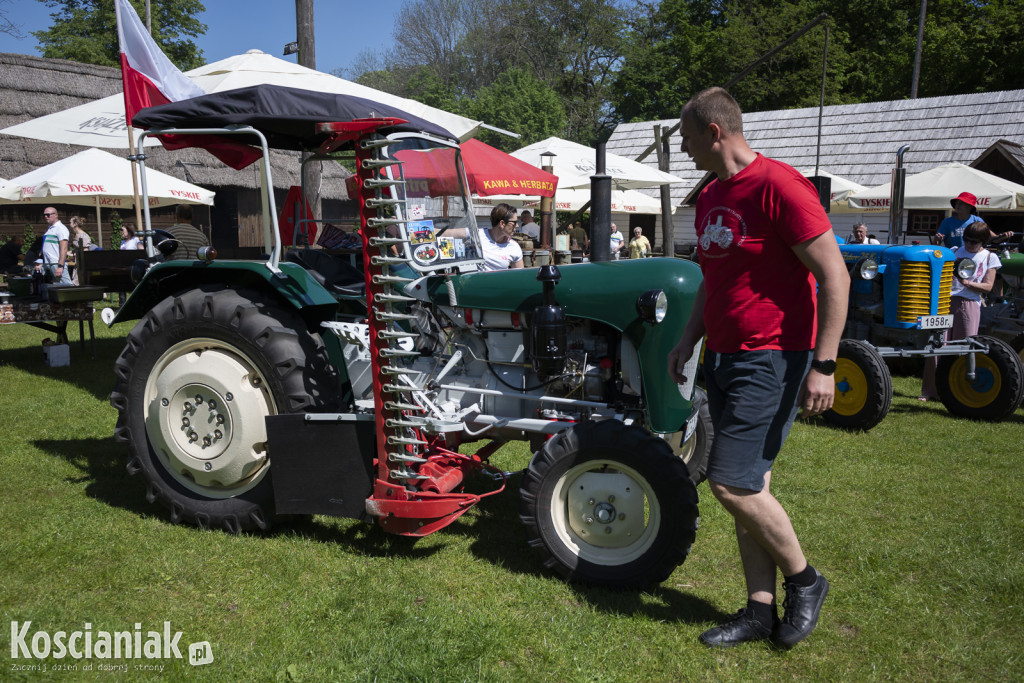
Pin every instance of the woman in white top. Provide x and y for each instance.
(966, 297)
(501, 252)
(965, 304)
(128, 238)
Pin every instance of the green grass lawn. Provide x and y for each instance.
(918, 524)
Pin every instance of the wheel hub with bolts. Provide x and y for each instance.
(606, 509)
(198, 399)
(205, 421)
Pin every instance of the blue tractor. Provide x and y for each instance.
(900, 308)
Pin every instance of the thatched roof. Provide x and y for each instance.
(31, 87)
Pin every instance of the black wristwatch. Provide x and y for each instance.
(825, 367)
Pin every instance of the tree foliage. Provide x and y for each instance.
(458, 51)
(519, 102)
(678, 47)
(612, 60)
(86, 31)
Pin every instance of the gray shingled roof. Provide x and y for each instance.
(858, 141)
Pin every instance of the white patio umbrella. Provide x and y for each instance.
(842, 188)
(932, 190)
(101, 123)
(9, 190)
(623, 201)
(575, 163)
(100, 179)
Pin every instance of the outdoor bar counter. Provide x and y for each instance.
(50, 316)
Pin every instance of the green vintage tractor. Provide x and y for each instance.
(251, 391)
(1003, 317)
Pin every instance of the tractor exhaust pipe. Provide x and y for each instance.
(898, 187)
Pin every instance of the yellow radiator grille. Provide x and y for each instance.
(915, 296)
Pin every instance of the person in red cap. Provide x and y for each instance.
(965, 211)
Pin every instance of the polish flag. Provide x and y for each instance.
(149, 77)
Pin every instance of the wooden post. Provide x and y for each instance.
(668, 239)
(311, 173)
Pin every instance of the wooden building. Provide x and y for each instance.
(859, 142)
(31, 87)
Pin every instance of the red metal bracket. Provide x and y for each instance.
(341, 132)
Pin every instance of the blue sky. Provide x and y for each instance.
(344, 28)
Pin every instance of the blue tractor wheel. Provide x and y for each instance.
(996, 390)
(863, 387)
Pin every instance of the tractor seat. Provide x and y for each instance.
(333, 271)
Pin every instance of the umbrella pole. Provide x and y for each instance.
(99, 225)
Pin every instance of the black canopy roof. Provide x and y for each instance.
(286, 116)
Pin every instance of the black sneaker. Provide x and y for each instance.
(742, 628)
(802, 606)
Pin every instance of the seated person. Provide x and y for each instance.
(189, 238)
(860, 235)
(11, 258)
(35, 251)
(501, 252)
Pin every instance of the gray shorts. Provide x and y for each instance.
(752, 398)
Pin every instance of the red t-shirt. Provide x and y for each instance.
(759, 294)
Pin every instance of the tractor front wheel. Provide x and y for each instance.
(996, 390)
(695, 451)
(863, 387)
(609, 504)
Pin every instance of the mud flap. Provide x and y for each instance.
(321, 464)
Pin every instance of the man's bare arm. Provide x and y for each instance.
(822, 257)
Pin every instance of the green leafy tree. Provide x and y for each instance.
(519, 102)
(454, 50)
(672, 52)
(677, 47)
(115, 230)
(86, 31)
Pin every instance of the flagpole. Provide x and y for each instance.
(135, 189)
(150, 71)
(99, 224)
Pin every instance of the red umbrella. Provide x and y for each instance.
(430, 172)
(491, 171)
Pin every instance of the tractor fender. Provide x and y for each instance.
(293, 285)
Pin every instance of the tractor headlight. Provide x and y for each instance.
(866, 269)
(964, 268)
(652, 306)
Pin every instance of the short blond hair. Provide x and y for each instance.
(715, 105)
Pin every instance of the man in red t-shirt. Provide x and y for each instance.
(772, 309)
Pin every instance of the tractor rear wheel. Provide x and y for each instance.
(996, 390)
(863, 387)
(197, 376)
(609, 504)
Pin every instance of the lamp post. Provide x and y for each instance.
(600, 209)
(546, 205)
